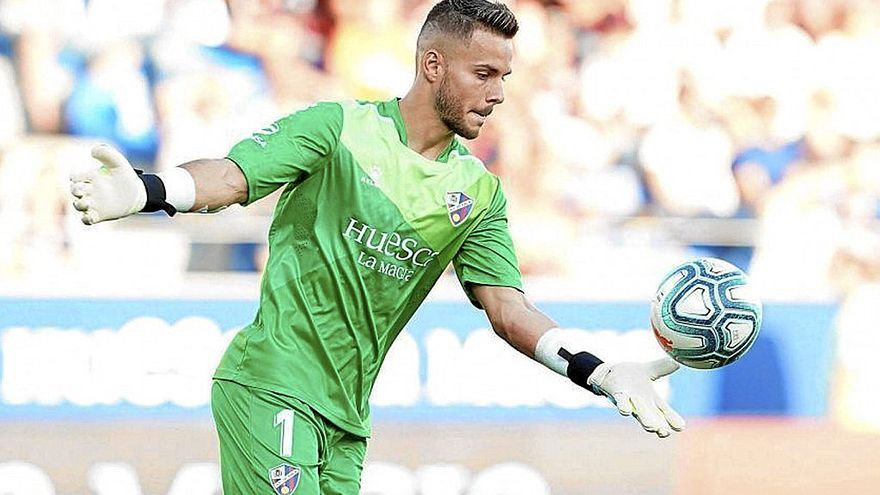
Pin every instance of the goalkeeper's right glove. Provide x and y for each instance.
(110, 191)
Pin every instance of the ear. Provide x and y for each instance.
(433, 65)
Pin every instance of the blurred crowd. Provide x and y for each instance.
(622, 117)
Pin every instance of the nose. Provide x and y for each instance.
(496, 93)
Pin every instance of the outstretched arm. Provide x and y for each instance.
(218, 183)
(628, 385)
(115, 190)
(513, 317)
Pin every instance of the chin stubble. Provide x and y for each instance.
(449, 110)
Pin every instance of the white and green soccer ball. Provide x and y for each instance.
(705, 314)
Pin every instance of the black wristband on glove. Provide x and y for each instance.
(155, 194)
(580, 367)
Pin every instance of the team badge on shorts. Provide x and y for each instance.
(284, 478)
(459, 206)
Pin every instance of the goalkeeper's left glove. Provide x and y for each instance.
(629, 386)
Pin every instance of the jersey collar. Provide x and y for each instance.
(391, 109)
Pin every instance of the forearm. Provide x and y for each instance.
(218, 183)
(513, 317)
(627, 385)
(200, 186)
(116, 190)
(534, 334)
(521, 325)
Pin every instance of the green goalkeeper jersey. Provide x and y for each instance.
(363, 229)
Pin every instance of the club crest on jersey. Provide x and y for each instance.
(459, 206)
(284, 478)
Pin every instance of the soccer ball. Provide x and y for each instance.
(705, 314)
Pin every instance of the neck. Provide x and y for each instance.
(426, 134)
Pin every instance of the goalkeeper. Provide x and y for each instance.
(378, 198)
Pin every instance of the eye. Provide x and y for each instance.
(483, 75)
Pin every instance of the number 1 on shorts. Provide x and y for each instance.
(285, 419)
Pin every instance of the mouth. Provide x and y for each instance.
(481, 116)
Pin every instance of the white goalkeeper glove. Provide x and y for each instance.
(110, 191)
(630, 386)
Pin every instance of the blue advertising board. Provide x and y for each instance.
(123, 359)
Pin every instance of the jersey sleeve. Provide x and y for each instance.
(288, 150)
(487, 256)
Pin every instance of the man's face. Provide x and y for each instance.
(472, 83)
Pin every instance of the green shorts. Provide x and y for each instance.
(277, 445)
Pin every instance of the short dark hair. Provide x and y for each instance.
(461, 17)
